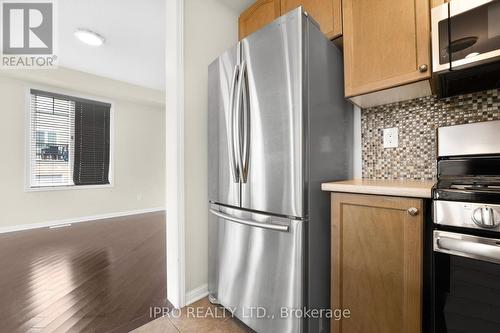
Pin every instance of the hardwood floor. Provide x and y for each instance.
(100, 276)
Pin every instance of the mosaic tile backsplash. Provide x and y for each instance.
(417, 120)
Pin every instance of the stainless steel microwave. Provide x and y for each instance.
(465, 33)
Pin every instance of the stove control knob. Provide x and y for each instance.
(484, 218)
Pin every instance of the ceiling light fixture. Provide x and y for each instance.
(89, 37)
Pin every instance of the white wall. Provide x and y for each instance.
(210, 28)
(357, 148)
(139, 158)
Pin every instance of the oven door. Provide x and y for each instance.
(466, 283)
(465, 33)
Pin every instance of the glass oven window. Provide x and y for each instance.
(467, 295)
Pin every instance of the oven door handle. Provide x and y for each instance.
(479, 248)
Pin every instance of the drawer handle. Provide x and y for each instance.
(423, 68)
(251, 223)
(413, 211)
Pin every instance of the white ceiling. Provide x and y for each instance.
(134, 50)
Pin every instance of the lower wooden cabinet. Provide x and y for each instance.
(377, 245)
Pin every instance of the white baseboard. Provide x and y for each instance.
(196, 294)
(52, 224)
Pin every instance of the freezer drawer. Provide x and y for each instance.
(257, 267)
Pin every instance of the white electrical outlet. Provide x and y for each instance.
(391, 137)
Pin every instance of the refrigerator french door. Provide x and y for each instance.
(223, 179)
(273, 126)
(259, 127)
(278, 126)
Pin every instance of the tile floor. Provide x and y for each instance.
(201, 317)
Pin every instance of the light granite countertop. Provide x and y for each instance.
(400, 188)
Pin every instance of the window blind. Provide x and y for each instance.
(69, 140)
(91, 143)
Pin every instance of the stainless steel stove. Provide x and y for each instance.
(466, 235)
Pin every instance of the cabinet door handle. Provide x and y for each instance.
(422, 68)
(413, 211)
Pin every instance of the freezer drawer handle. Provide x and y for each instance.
(270, 226)
(469, 249)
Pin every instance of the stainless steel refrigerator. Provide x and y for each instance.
(278, 126)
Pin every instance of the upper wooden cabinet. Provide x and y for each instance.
(435, 3)
(328, 13)
(377, 245)
(386, 44)
(257, 16)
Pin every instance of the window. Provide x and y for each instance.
(69, 141)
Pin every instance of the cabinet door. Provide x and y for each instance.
(435, 3)
(377, 263)
(257, 16)
(328, 13)
(386, 44)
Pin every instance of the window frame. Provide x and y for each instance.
(28, 136)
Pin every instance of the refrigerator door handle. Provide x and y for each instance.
(246, 124)
(251, 223)
(242, 138)
(232, 147)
